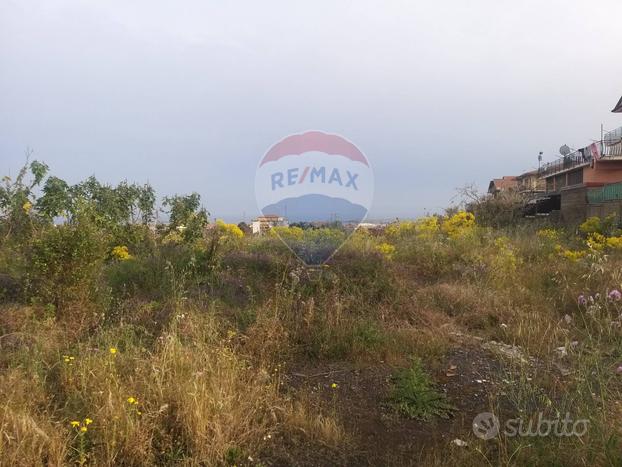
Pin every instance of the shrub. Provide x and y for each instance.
(596, 225)
(459, 225)
(501, 210)
(65, 263)
(229, 230)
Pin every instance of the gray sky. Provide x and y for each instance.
(188, 95)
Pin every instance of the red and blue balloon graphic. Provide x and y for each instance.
(315, 179)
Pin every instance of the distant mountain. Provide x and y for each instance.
(317, 208)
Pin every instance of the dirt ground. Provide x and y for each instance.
(380, 436)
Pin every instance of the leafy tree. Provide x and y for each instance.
(55, 200)
(16, 198)
(116, 206)
(145, 202)
(186, 215)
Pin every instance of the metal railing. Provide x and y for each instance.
(609, 147)
(574, 159)
(612, 143)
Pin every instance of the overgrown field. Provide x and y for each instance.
(195, 344)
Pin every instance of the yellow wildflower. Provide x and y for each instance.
(287, 233)
(596, 241)
(334, 385)
(548, 234)
(83, 429)
(74, 423)
(573, 255)
(427, 227)
(113, 350)
(229, 230)
(132, 400)
(88, 421)
(400, 228)
(386, 249)
(615, 243)
(459, 225)
(27, 207)
(121, 253)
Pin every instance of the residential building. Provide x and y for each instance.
(526, 183)
(262, 224)
(582, 183)
(505, 183)
(569, 179)
(530, 183)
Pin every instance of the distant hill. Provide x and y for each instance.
(317, 208)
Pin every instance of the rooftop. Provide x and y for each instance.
(269, 217)
(505, 183)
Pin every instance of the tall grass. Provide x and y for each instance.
(181, 351)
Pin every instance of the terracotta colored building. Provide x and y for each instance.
(505, 183)
(526, 183)
(570, 179)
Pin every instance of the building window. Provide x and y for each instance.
(560, 181)
(575, 177)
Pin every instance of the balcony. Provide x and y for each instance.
(612, 144)
(610, 148)
(571, 161)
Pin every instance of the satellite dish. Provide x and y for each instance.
(564, 150)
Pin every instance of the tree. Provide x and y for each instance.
(55, 200)
(186, 215)
(17, 198)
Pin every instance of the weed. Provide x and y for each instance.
(415, 395)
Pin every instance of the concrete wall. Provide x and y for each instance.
(574, 205)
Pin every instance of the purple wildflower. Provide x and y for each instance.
(581, 300)
(619, 369)
(615, 295)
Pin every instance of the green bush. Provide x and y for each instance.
(64, 263)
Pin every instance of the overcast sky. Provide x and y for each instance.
(188, 95)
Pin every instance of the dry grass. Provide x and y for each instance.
(207, 361)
